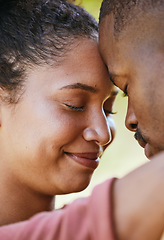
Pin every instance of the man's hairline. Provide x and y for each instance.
(128, 28)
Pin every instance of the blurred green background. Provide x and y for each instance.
(124, 154)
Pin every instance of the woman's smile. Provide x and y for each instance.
(90, 159)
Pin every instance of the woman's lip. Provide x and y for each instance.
(90, 160)
(91, 156)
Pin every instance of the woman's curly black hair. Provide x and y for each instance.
(38, 32)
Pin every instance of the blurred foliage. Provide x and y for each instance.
(124, 154)
(91, 6)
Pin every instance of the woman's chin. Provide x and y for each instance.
(75, 187)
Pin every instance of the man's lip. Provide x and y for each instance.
(142, 143)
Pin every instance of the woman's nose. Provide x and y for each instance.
(131, 121)
(98, 130)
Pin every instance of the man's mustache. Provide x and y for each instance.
(138, 136)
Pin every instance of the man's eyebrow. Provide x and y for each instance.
(82, 86)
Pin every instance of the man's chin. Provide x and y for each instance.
(150, 151)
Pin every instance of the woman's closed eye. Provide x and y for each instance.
(74, 108)
(109, 112)
(79, 108)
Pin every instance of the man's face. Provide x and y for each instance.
(136, 65)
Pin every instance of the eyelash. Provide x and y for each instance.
(82, 108)
(111, 79)
(78, 109)
(109, 112)
(125, 94)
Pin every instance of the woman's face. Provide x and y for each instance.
(51, 139)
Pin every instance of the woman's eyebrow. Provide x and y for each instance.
(80, 86)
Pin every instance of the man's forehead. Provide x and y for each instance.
(110, 47)
(112, 50)
(146, 24)
(107, 41)
(145, 32)
(107, 27)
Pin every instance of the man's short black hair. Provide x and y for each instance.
(125, 11)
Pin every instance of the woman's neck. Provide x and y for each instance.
(18, 204)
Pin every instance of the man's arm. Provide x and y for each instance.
(139, 202)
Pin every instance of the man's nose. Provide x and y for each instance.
(131, 121)
(98, 130)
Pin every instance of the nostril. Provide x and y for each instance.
(133, 126)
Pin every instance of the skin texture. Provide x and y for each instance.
(135, 63)
(44, 126)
